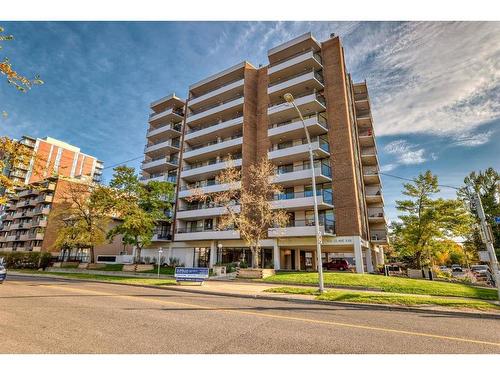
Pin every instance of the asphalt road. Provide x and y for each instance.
(41, 315)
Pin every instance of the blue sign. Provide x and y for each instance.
(195, 274)
(497, 220)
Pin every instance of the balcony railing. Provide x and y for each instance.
(208, 107)
(174, 110)
(320, 98)
(170, 142)
(326, 170)
(321, 117)
(326, 194)
(220, 140)
(317, 75)
(316, 55)
(205, 205)
(213, 161)
(328, 224)
(210, 124)
(323, 144)
(217, 87)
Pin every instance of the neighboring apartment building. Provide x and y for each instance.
(53, 157)
(28, 226)
(240, 113)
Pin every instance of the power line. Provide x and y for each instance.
(413, 180)
(123, 162)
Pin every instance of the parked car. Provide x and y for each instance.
(337, 264)
(482, 273)
(3, 273)
(456, 268)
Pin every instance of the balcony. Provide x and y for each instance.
(308, 104)
(222, 93)
(299, 82)
(189, 190)
(172, 130)
(378, 236)
(25, 193)
(301, 175)
(303, 228)
(212, 149)
(200, 233)
(220, 109)
(41, 211)
(168, 115)
(316, 125)
(369, 156)
(320, 148)
(36, 236)
(161, 177)
(303, 200)
(364, 118)
(162, 163)
(162, 237)
(170, 145)
(373, 194)
(204, 211)
(39, 223)
(376, 215)
(366, 138)
(208, 170)
(299, 62)
(204, 132)
(371, 175)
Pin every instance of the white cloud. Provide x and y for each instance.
(387, 167)
(405, 153)
(429, 77)
(473, 140)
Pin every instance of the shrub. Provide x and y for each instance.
(26, 259)
(147, 260)
(174, 262)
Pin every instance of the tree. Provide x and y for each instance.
(248, 207)
(139, 207)
(425, 221)
(83, 216)
(487, 185)
(15, 79)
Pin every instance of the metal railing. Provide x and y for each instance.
(323, 144)
(326, 194)
(217, 87)
(213, 161)
(174, 110)
(316, 75)
(213, 123)
(211, 106)
(321, 117)
(211, 143)
(326, 170)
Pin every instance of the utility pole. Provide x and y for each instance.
(486, 235)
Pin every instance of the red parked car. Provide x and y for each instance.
(337, 264)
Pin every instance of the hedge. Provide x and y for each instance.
(26, 259)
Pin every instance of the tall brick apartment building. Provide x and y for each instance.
(241, 113)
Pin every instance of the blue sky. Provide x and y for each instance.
(434, 86)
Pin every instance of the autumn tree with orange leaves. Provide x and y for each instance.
(247, 207)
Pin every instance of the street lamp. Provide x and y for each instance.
(219, 246)
(289, 99)
(159, 260)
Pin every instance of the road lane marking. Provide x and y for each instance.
(290, 318)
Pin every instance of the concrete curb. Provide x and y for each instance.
(469, 314)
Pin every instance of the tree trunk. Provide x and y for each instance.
(137, 254)
(91, 254)
(255, 257)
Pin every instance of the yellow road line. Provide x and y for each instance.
(290, 318)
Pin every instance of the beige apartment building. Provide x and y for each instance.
(240, 113)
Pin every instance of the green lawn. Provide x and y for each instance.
(163, 271)
(386, 284)
(111, 267)
(386, 298)
(116, 279)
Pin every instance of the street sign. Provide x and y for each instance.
(194, 274)
(497, 220)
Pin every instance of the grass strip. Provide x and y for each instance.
(387, 298)
(386, 284)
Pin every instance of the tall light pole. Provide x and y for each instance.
(159, 260)
(289, 99)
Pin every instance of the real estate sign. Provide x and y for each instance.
(195, 274)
